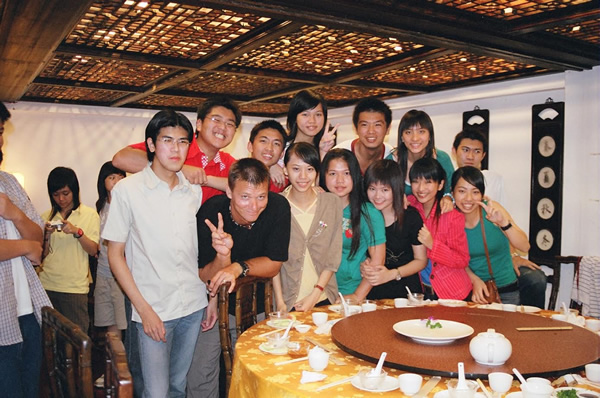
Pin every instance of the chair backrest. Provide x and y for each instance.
(245, 314)
(117, 379)
(68, 356)
(554, 279)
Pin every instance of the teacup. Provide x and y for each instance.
(500, 382)
(559, 317)
(533, 380)
(416, 299)
(319, 318)
(592, 372)
(277, 341)
(468, 392)
(318, 359)
(368, 306)
(400, 302)
(410, 383)
(302, 328)
(536, 390)
(370, 380)
(593, 324)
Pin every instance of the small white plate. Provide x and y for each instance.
(493, 306)
(337, 308)
(281, 323)
(452, 303)
(264, 347)
(389, 384)
(528, 309)
(446, 394)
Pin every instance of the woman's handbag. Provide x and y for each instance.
(494, 295)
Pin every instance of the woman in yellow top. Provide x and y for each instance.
(71, 235)
(307, 278)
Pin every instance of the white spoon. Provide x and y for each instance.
(287, 330)
(344, 304)
(409, 292)
(462, 384)
(377, 370)
(519, 376)
(565, 309)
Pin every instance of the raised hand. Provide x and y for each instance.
(328, 139)
(277, 175)
(222, 242)
(425, 237)
(494, 214)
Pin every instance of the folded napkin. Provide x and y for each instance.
(309, 377)
(326, 327)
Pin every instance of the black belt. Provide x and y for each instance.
(509, 288)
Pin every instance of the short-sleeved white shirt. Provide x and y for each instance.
(158, 226)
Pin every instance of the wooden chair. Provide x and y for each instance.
(245, 314)
(554, 279)
(67, 356)
(117, 379)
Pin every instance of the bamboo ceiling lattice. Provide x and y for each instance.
(153, 54)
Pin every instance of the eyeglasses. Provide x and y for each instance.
(228, 124)
(171, 141)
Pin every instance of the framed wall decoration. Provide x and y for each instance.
(547, 147)
(480, 119)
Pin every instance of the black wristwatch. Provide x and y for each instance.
(245, 269)
(506, 227)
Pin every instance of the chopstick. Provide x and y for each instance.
(271, 332)
(485, 390)
(291, 361)
(530, 329)
(335, 383)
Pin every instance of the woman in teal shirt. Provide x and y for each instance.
(363, 226)
(415, 141)
(501, 231)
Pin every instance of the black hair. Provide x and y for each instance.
(430, 169)
(305, 152)
(357, 195)
(410, 119)
(220, 100)
(106, 170)
(4, 113)
(303, 101)
(470, 133)
(59, 178)
(253, 171)
(372, 105)
(268, 124)
(166, 118)
(387, 172)
(470, 174)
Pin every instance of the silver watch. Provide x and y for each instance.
(398, 276)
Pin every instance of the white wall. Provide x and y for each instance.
(40, 137)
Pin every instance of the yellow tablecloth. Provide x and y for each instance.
(255, 374)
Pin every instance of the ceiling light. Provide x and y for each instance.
(354, 51)
(309, 62)
(463, 59)
(576, 28)
(129, 2)
(412, 69)
(473, 68)
(348, 60)
(143, 4)
(508, 10)
(425, 76)
(398, 48)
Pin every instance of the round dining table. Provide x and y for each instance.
(356, 342)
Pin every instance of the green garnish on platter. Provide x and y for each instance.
(567, 394)
(432, 323)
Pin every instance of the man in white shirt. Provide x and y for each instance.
(372, 119)
(21, 292)
(469, 149)
(153, 253)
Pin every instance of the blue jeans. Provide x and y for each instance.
(532, 286)
(20, 363)
(133, 353)
(165, 365)
(510, 297)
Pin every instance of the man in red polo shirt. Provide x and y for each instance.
(206, 164)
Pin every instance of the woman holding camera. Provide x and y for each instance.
(71, 235)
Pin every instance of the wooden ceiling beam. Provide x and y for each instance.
(417, 23)
(29, 32)
(558, 17)
(252, 40)
(93, 86)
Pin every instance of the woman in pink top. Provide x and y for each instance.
(442, 234)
